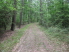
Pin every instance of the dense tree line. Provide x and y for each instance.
(15, 12)
(46, 12)
(55, 13)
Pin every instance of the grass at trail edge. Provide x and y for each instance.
(7, 45)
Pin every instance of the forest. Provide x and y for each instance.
(52, 16)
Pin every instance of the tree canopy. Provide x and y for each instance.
(46, 12)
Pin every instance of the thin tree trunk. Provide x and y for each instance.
(28, 18)
(40, 11)
(21, 13)
(20, 19)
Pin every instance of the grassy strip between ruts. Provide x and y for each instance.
(7, 45)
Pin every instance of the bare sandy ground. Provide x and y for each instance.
(35, 40)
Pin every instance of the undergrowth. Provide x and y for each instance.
(7, 45)
(55, 32)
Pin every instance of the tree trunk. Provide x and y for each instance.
(28, 18)
(14, 16)
(40, 11)
(21, 13)
(20, 19)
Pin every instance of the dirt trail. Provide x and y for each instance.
(35, 40)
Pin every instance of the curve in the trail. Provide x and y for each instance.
(35, 40)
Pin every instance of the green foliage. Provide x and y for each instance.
(56, 13)
(56, 33)
(5, 15)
